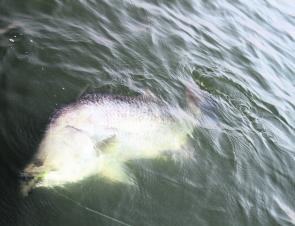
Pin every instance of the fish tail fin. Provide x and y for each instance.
(193, 97)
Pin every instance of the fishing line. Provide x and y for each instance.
(92, 210)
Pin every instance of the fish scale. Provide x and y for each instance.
(99, 133)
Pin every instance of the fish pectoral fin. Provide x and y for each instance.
(107, 145)
(115, 171)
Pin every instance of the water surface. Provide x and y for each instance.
(240, 53)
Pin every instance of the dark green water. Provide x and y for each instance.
(241, 54)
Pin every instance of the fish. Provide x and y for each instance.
(99, 134)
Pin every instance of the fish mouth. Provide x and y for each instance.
(28, 181)
(23, 176)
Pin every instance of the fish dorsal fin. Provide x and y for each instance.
(107, 145)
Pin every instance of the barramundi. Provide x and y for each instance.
(99, 133)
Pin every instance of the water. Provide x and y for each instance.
(239, 52)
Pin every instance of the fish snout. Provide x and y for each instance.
(24, 177)
(27, 183)
(29, 178)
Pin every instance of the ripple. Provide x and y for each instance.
(240, 54)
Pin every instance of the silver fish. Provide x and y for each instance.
(99, 133)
